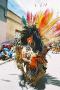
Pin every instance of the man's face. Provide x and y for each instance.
(30, 40)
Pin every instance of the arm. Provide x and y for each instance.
(26, 60)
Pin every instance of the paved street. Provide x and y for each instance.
(53, 71)
(9, 75)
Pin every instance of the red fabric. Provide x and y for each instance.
(33, 63)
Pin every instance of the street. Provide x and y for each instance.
(9, 75)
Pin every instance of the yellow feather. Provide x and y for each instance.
(49, 26)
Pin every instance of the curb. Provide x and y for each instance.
(6, 61)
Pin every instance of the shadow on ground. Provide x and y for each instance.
(52, 80)
(47, 79)
(5, 80)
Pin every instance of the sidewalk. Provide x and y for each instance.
(4, 61)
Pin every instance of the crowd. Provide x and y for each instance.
(6, 52)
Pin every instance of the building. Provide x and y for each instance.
(9, 22)
(3, 20)
(14, 22)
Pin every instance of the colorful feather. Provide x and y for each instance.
(48, 28)
(46, 18)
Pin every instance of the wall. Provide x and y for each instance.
(3, 30)
(14, 22)
(3, 20)
(9, 22)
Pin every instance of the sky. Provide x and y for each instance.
(21, 7)
(13, 6)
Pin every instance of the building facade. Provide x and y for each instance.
(13, 22)
(3, 20)
(9, 22)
